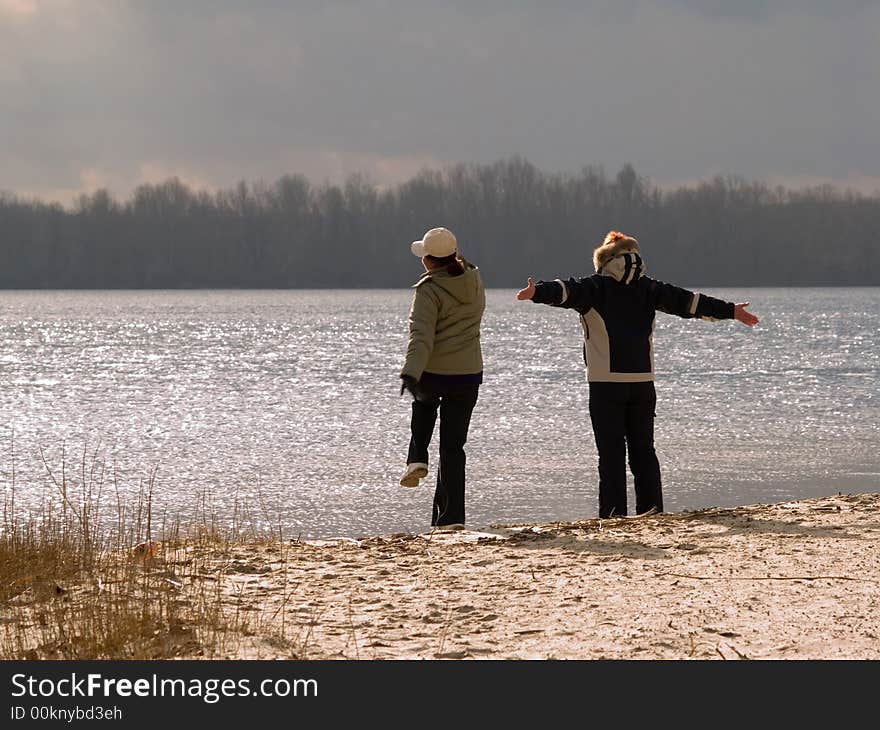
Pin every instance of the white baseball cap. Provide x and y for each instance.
(438, 242)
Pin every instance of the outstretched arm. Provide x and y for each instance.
(685, 303)
(577, 294)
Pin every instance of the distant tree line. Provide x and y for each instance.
(511, 218)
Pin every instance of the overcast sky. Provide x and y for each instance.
(115, 93)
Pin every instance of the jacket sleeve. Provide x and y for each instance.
(684, 303)
(422, 327)
(579, 294)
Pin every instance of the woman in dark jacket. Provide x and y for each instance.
(616, 307)
(443, 369)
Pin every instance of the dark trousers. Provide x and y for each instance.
(455, 403)
(623, 421)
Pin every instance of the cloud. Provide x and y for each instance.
(335, 166)
(320, 165)
(18, 8)
(855, 181)
(224, 90)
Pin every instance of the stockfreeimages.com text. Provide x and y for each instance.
(209, 690)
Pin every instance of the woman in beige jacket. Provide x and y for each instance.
(443, 369)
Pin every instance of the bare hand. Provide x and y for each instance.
(741, 315)
(528, 292)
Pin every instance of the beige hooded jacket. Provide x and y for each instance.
(444, 324)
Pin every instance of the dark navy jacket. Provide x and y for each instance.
(617, 310)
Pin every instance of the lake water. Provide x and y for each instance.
(289, 400)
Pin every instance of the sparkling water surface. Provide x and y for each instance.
(287, 402)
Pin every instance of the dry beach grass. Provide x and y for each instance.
(794, 580)
(82, 577)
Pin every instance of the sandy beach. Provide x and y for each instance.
(797, 580)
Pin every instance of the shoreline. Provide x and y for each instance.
(791, 580)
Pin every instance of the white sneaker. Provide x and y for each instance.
(413, 473)
(452, 527)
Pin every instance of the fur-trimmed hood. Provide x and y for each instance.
(619, 258)
(614, 245)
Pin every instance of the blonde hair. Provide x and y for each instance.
(615, 243)
(614, 236)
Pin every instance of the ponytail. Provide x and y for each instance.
(453, 263)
